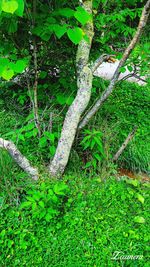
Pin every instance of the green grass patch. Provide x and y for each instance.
(78, 222)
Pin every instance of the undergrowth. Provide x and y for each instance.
(81, 221)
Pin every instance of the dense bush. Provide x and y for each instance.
(80, 222)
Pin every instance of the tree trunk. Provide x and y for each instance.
(84, 84)
(108, 91)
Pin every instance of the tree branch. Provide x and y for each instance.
(99, 61)
(19, 158)
(108, 91)
(125, 143)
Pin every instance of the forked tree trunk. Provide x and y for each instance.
(84, 84)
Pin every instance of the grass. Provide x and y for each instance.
(93, 219)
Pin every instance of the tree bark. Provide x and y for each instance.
(108, 91)
(124, 145)
(84, 84)
(19, 158)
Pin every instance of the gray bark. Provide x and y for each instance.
(84, 84)
(124, 145)
(108, 91)
(99, 61)
(19, 158)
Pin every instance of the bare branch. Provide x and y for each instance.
(125, 143)
(19, 158)
(99, 61)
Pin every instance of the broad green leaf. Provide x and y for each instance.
(88, 164)
(82, 15)
(60, 188)
(49, 136)
(41, 204)
(9, 6)
(43, 141)
(52, 150)
(130, 68)
(59, 30)
(123, 69)
(4, 62)
(48, 217)
(65, 12)
(69, 100)
(75, 35)
(140, 198)
(25, 204)
(61, 99)
(20, 66)
(7, 74)
(20, 8)
(132, 182)
(139, 219)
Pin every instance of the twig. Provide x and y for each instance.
(125, 143)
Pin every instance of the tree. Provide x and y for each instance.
(81, 36)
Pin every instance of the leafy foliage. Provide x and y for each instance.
(82, 232)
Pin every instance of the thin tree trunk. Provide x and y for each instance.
(124, 145)
(108, 91)
(84, 84)
(35, 86)
(35, 90)
(19, 158)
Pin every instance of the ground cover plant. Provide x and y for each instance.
(79, 222)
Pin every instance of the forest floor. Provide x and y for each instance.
(141, 176)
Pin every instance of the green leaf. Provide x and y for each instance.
(48, 217)
(43, 141)
(20, 8)
(122, 69)
(25, 204)
(82, 15)
(41, 204)
(139, 219)
(9, 7)
(65, 12)
(92, 143)
(69, 100)
(130, 68)
(75, 35)
(52, 150)
(7, 74)
(97, 156)
(60, 189)
(59, 30)
(61, 99)
(43, 75)
(132, 182)
(12, 26)
(88, 164)
(50, 136)
(140, 198)
(20, 66)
